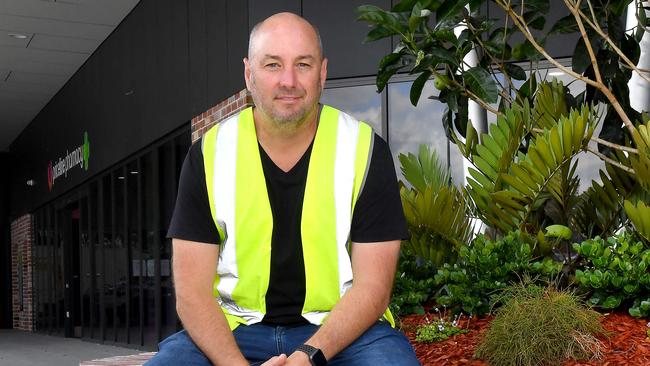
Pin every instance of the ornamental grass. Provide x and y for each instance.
(541, 326)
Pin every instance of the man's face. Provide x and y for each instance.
(286, 72)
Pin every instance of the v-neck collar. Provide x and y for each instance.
(305, 156)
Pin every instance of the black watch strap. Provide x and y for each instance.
(315, 355)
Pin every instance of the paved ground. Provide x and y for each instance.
(18, 348)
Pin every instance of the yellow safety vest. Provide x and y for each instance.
(242, 213)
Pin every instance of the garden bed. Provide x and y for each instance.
(626, 345)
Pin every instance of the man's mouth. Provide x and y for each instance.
(288, 98)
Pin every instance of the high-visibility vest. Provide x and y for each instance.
(240, 208)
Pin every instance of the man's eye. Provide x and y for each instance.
(273, 65)
(303, 65)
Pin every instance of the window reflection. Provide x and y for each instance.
(362, 102)
(411, 126)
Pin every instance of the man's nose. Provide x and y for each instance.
(288, 77)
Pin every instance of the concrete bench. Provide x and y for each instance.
(130, 360)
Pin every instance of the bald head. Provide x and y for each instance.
(265, 30)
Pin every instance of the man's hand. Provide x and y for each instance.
(298, 359)
(277, 361)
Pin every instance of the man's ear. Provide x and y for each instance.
(247, 72)
(323, 73)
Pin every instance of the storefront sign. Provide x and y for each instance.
(77, 157)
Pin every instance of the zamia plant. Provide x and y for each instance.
(600, 210)
(526, 159)
(435, 210)
(639, 213)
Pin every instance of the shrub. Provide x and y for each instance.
(414, 285)
(615, 273)
(485, 267)
(541, 326)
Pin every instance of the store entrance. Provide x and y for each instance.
(71, 268)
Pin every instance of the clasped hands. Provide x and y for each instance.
(295, 359)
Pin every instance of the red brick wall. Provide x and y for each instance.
(22, 239)
(221, 111)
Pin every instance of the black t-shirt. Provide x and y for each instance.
(377, 217)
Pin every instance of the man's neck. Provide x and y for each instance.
(285, 144)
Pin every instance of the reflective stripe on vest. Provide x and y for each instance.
(241, 210)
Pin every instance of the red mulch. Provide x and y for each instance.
(627, 343)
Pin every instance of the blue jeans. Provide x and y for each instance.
(379, 345)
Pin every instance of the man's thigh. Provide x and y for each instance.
(178, 349)
(380, 345)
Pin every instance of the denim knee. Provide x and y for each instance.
(380, 345)
(178, 349)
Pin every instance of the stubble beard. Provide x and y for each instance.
(284, 121)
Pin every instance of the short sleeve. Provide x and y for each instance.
(192, 219)
(378, 214)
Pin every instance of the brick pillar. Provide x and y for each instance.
(22, 239)
(218, 113)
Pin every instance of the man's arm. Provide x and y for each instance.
(373, 268)
(195, 268)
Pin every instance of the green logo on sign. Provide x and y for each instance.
(86, 150)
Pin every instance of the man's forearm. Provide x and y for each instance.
(207, 325)
(357, 310)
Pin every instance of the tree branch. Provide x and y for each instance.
(611, 161)
(572, 8)
(520, 23)
(615, 146)
(628, 62)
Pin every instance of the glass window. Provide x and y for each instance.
(121, 255)
(410, 126)
(362, 102)
(147, 269)
(108, 258)
(134, 210)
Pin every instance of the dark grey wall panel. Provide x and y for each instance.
(342, 36)
(261, 9)
(236, 45)
(133, 90)
(559, 45)
(216, 34)
(198, 62)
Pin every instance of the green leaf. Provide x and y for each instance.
(404, 5)
(528, 88)
(418, 84)
(581, 60)
(565, 25)
(611, 302)
(388, 66)
(378, 32)
(448, 10)
(481, 83)
(444, 55)
(537, 23)
(515, 71)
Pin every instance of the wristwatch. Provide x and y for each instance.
(315, 355)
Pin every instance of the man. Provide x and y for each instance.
(270, 201)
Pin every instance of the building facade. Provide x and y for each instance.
(93, 178)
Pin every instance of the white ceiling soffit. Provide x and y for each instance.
(42, 44)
